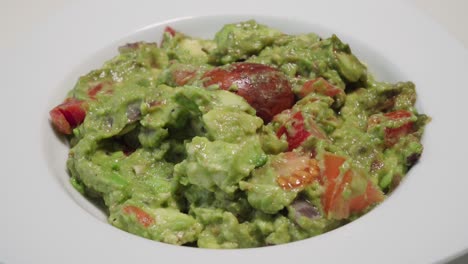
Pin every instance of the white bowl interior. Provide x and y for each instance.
(205, 27)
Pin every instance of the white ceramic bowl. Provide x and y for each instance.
(47, 221)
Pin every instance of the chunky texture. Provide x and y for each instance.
(254, 138)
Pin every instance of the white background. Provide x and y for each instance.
(17, 17)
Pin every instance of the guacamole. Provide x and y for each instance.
(250, 139)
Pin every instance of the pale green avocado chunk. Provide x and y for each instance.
(167, 225)
(242, 40)
(263, 191)
(171, 159)
(220, 164)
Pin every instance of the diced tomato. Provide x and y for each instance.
(296, 171)
(68, 115)
(170, 30)
(338, 206)
(265, 88)
(332, 164)
(59, 121)
(143, 217)
(341, 207)
(398, 114)
(334, 204)
(74, 111)
(94, 90)
(299, 133)
(392, 135)
(182, 77)
(361, 202)
(321, 86)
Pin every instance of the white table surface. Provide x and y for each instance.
(18, 17)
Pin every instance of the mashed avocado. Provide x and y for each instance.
(253, 138)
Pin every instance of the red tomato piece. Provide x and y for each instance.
(170, 30)
(68, 115)
(299, 133)
(332, 164)
(321, 86)
(265, 88)
(361, 202)
(143, 217)
(60, 122)
(333, 202)
(393, 134)
(338, 206)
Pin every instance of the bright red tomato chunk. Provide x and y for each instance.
(68, 115)
(265, 88)
(297, 132)
(392, 135)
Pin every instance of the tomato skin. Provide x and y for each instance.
(143, 217)
(361, 202)
(321, 86)
(68, 115)
(94, 90)
(182, 77)
(265, 88)
(332, 164)
(299, 133)
(398, 114)
(60, 122)
(392, 135)
(333, 202)
(74, 111)
(170, 30)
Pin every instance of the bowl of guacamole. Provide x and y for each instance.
(250, 138)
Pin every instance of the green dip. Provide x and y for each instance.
(253, 138)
